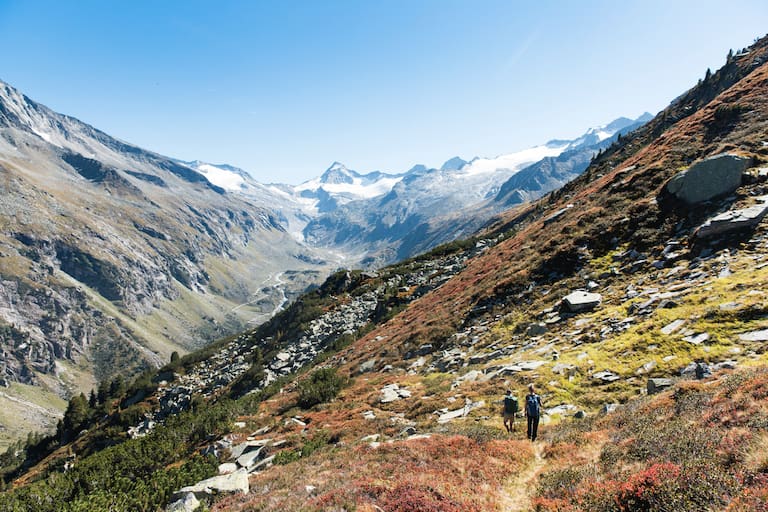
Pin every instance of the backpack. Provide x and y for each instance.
(510, 404)
(532, 405)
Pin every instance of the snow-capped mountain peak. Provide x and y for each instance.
(338, 173)
(454, 164)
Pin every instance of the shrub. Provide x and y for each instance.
(322, 386)
(559, 482)
(408, 497)
(648, 490)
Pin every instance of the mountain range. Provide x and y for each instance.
(116, 257)
(632, 297)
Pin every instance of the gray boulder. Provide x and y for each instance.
(658, 385)
(580, 300)
(734, 220)
(706, 179)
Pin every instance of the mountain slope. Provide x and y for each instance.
(113, 257)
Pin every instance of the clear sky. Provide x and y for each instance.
(283, 88)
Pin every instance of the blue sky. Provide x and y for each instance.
(283, 88)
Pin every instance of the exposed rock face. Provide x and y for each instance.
(704, 180)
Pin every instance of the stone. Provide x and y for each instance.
(657, 385)
(609, 408)
(249, 459)
(560, 409)
(530, 365)
(186, 503)
(267, 461)
(470, 376)
(707, 179)
(425, 349)
(761, 335)
(369, 415)
(606, 376)
(647, 367)
(367, 366)
(227, 468)
(581, 300)
(724, 365)
(564, 369)
(370, 438)
(697, 339)
(733, 220)
(672, 327)
(233, 482)
(459, 413)
(580, 415)
(536, 329)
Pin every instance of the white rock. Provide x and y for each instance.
(672, 327)
(187, 503)
(234, 482)
(227, 468)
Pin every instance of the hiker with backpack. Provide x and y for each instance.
(532, 411)
(510, 409)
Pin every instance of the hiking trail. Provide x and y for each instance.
(520, 489)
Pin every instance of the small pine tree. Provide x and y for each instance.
(117, 387)
(74, 418)
(103, 392)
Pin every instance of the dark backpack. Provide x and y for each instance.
(510, 404)
(532, 405)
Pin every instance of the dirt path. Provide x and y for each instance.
(519, 490)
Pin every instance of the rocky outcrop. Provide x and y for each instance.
(710, 178)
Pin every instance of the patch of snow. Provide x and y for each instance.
(359, 187)
(223, 178)
(512, 161)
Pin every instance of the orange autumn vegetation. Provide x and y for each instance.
(437, 473)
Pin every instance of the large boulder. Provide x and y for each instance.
(657, 385)
(580, 300)
(734, 220)
(706, 179)
(233, 482)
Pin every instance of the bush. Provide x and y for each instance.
(322, 386)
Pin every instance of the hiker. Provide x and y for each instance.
(532, 411)
(510, 409)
